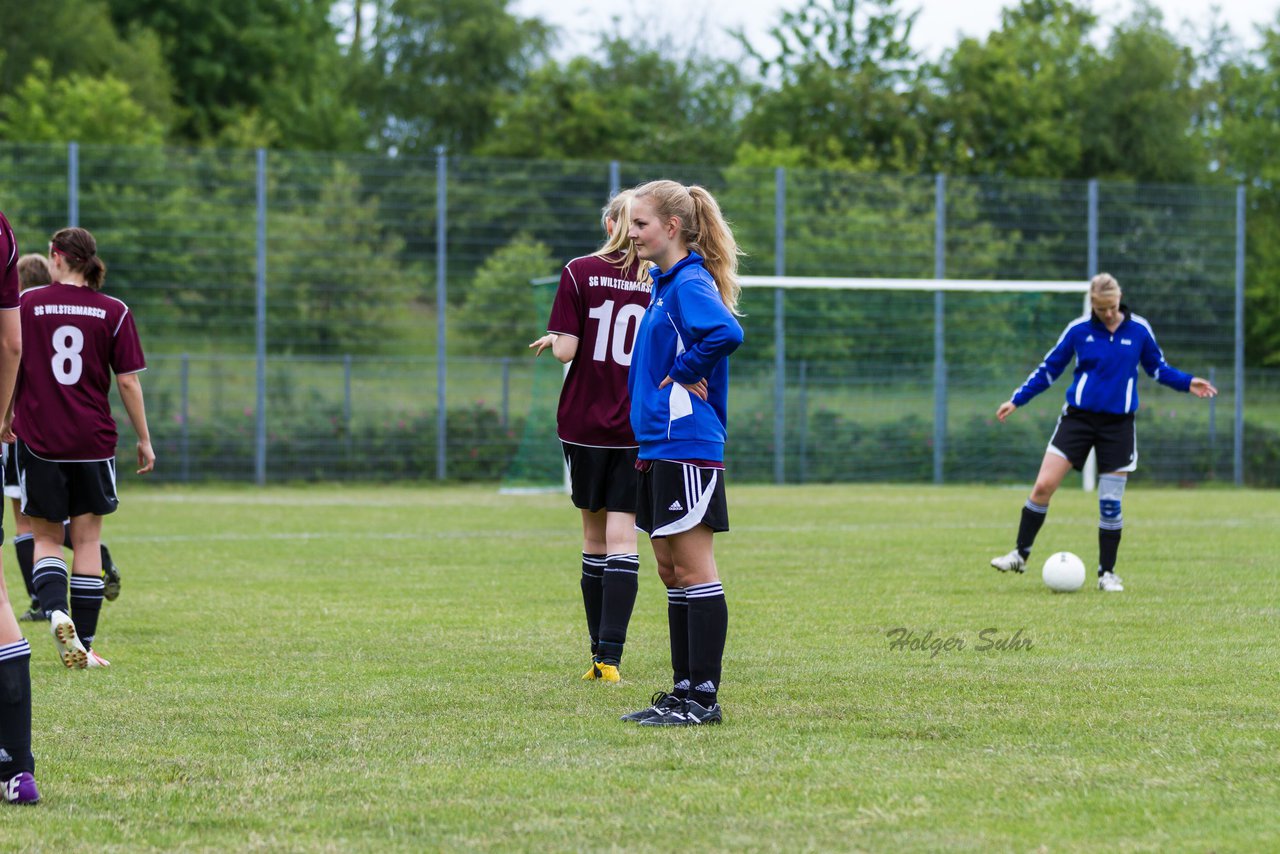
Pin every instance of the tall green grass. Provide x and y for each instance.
(396, 669)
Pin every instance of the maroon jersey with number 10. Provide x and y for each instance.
(8, 266)
(601, 306)
(73, 339)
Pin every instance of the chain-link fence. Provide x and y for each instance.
(314, 316)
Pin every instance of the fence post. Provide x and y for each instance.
(939, 326)
(442, 210)
(506, 390)
(184, 383)
(779, 326)
(346, 405)
(804, 422)
(1213, 427)
(1089, 474)
(1237, 460)
(260, 325)
(73, 184)
(615, 178)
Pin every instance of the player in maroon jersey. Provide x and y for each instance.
(17, 765)
(75, 338)
(593, 324)
(33, 270)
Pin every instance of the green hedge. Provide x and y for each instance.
(837, 448)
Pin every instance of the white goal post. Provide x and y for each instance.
(1090, 472)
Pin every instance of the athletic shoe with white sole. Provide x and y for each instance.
(660, 703)
(95, 660)
(1012, 562)
(70, 649)
(690, 713)
(1110, 582)
(21, 789)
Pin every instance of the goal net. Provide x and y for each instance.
(869, 379)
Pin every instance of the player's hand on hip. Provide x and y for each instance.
(699, 388)
(146, 458)
(1202, 388)
(542, 343)
(1005, 410)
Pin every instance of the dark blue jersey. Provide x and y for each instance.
(686, 333)
(1106, 373)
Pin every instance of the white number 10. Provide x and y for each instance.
(623, 334)
(68, 341)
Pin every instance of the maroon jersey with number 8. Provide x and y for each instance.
(73, 339)
(601, 306)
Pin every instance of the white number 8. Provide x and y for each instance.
(68, 341)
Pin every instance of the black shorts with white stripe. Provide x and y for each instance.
(58, 490)
(675, 497)
(1114, 436)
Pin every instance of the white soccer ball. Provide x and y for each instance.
(1064, 572)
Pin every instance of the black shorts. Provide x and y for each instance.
(1114, 436)
(676, 497)
(11, 488)
(57, 491)
(602, 478)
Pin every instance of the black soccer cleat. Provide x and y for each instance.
(690, 713)
(111, 575)
(660, 703)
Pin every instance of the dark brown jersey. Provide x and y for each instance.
(73, 339)
(8, 266)
(601, 306)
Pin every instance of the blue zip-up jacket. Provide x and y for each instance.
(1106, 377)
(687, 334)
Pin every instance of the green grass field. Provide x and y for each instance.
(396, 669)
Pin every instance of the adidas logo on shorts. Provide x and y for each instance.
(675, 505)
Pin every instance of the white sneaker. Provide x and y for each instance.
(70, 650)
(95, 660)
(1012, 562)
(1110, 582)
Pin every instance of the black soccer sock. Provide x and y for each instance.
(1033, 516)
(708, 625)
(49, 577)
(86, 605)
(592, 590)
(24, 546)
(66, 536)
(621, 581)
(15, 710)
(1108, 547)
(678, 623)
(106, 556)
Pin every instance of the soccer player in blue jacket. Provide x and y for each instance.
(679, 387)
(1109, 346)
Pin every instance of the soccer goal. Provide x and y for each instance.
(867, 371)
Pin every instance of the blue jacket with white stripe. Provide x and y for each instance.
(686, 333)
(1106, 374)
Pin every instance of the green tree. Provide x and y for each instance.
(625, 100)
(75, 107)
(1015, 104)
(278, 58)
(77, 37)
(497, 317)
(849, 86)
(436, 69)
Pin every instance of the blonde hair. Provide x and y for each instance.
(619, 211)
(33, 270)
(1103, 285)
(703, 229)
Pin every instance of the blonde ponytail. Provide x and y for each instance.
(703, 229)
